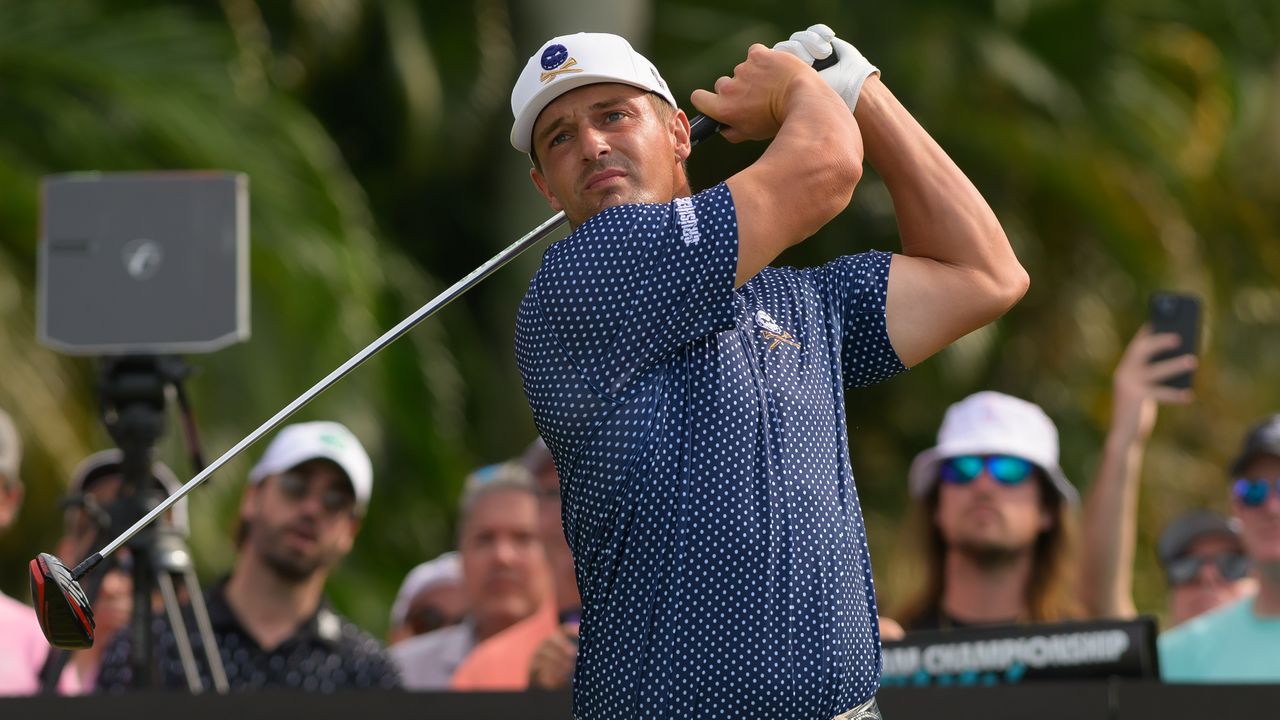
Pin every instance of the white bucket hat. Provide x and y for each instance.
(325, 440)
(992, 423)
(568, 62)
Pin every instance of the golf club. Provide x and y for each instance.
(61, 606)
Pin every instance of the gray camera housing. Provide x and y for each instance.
(143, 263)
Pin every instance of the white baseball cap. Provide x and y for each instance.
(992, 423)
(444, 570)
(325, 440)
(568, 62)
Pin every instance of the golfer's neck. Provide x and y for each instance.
(268, 606)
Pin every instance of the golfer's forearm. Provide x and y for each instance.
(941, 215)
(804, 178)
(816, 157)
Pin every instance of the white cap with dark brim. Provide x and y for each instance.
(569, 62)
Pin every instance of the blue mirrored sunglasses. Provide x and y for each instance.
(1006, 469)
(1253, 491)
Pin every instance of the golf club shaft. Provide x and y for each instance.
(701, 128)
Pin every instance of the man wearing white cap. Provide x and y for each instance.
(692, 396)
(299, 517)
(998, 510)
(504, 575)
(431, 597)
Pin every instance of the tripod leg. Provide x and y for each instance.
(179, 627)
(201, 612)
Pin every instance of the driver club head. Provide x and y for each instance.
(61, 604)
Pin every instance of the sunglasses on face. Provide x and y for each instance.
(427, 619)
(297, 487)
(1252, 492)
(1185, 569)
(1006, 469)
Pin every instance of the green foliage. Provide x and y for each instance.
(1125, 147)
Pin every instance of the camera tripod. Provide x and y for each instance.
(133, 399)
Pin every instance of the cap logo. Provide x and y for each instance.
(658, 78)
(556, 62)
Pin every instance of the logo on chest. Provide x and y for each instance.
(771, 331)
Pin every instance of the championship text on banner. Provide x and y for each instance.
(1015, 654)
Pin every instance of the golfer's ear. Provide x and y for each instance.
(540, 182)
(681, 133)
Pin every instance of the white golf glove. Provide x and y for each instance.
(851, 68)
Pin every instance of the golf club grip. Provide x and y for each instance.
(703, 127)
(86, 565)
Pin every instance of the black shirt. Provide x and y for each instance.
(943, 621)
(327, 653)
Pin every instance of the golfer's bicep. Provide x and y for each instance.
(781, 201)
(929, 306)
(763, 227)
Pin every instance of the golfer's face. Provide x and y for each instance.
(604, 145)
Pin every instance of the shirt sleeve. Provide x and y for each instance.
(636, 282)
(856, 289)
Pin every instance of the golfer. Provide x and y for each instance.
(693, 396)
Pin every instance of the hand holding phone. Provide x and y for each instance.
(1179, 314)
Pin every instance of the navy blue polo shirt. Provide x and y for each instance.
(699, 434)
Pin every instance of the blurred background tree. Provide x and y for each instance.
(1126, 147)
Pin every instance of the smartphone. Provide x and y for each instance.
(1177, 313)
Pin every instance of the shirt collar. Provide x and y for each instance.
(324, 626)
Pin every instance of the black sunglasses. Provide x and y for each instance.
(296, 487)
(1183, 570)
(428, 618)
(1006, 469)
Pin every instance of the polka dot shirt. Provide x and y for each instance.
(699, 433)
(327, 653)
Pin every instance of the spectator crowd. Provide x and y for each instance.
(1005, 538)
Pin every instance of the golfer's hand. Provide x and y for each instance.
(753, 103)
(851, 69)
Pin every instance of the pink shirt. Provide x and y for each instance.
(502, 661)
(22, 648)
